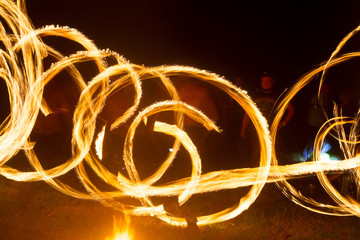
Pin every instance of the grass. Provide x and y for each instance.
(36, 211)
(30, 211)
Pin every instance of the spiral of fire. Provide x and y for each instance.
(25, 74)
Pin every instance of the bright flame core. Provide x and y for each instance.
(22, 69)
(121, 229)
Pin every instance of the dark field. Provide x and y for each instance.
(36, 211)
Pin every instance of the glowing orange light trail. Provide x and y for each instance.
(22, 69)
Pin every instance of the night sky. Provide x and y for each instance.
(229, 38)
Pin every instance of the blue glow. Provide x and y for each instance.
(308, 152)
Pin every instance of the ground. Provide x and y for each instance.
(36, 211)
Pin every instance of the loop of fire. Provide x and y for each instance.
(137, 138)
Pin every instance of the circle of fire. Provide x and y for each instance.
(22, 69)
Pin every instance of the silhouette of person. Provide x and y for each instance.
(265, 98)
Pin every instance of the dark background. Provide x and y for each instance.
(229, 38)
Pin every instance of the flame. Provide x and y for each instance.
(99, 143)
(22, 54)
(121, 229)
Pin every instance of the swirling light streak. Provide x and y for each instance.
(23, 71)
